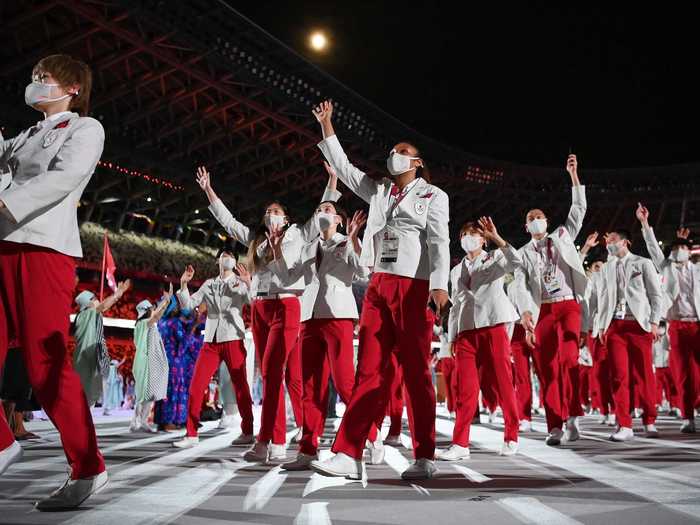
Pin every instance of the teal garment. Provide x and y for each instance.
(140, 366)
(114, 393)
(85, 356)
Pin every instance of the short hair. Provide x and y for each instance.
(678, 241)
(469, 226)
(67, 71)
(624, 234)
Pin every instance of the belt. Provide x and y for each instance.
(558, 299)
(687, 319)
(266, 296)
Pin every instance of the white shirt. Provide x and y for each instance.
(555, 268)
(415, 239)
(622, 281)
(683, 307)
(49, 169)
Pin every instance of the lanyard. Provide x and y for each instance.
(550, 262)
(400, 196)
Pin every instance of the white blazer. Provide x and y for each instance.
(265, 281)
(328, 290)
(48, 168)
(642, 293)
(420, 221)
(669, 271)
(528, 277)
(224, 300)
(479, 299)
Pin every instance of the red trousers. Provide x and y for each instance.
(630, 351)
(326, 347)
(685, 363)
(394, 316)
(36, 294)
(484, 352)
(275, 326)
(395, 404)
(556, 358)
(233, 353)
(292, 378)
(523, 376)
(446, 366)
(603, 376)
(666, 385)
(585, 383)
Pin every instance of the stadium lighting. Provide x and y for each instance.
(318, 41)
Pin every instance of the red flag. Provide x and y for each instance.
(108, 268)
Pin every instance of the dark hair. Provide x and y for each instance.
(624, 234)
(678, 241)
(469, 226)
(255, 261)
(67, 71)
(340, 211)
(421, 171)
(228, 247)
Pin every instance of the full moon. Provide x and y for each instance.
(318, 41)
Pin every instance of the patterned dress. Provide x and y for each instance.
(173, 409)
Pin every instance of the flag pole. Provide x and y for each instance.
(104, 262)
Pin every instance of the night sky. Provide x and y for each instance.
(618, 86)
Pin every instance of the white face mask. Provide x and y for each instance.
(228, 263)
(471, 243)
(537, 226)
(397, 163)
(614, 249)
(36, 92)
(680, 256)
(274, 220)
(324, 220)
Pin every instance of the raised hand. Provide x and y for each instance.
(332, 175)
(642, 214)
(244, 274)
(123, 287)
(188, 274)
(359, 219)
(592, 240)
(274, 239)
(572, 165)
(489, 231)
(683, 233)
(324, 111)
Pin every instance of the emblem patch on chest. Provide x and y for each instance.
(420, 207)
(50, 137)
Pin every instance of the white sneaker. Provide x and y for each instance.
(525, 426)
(244, 439)
(186, 442)
(422, 468)
(376, 451)
(297, 437)
(603, 420)
(492, 417)
(73, 492)
(651, 431)
(393, 441)
(688, 427)
(302, 462)
(572, 431)
(341, 465)
(454, 453)
(675, 412)
(145, 427)
(256, 454)
(227, 421)
(10, 455)
(612, 420)
(622, 434)
(278, 453)
(509, 448)
(636, 413)
(106, 412)
(554, 438)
